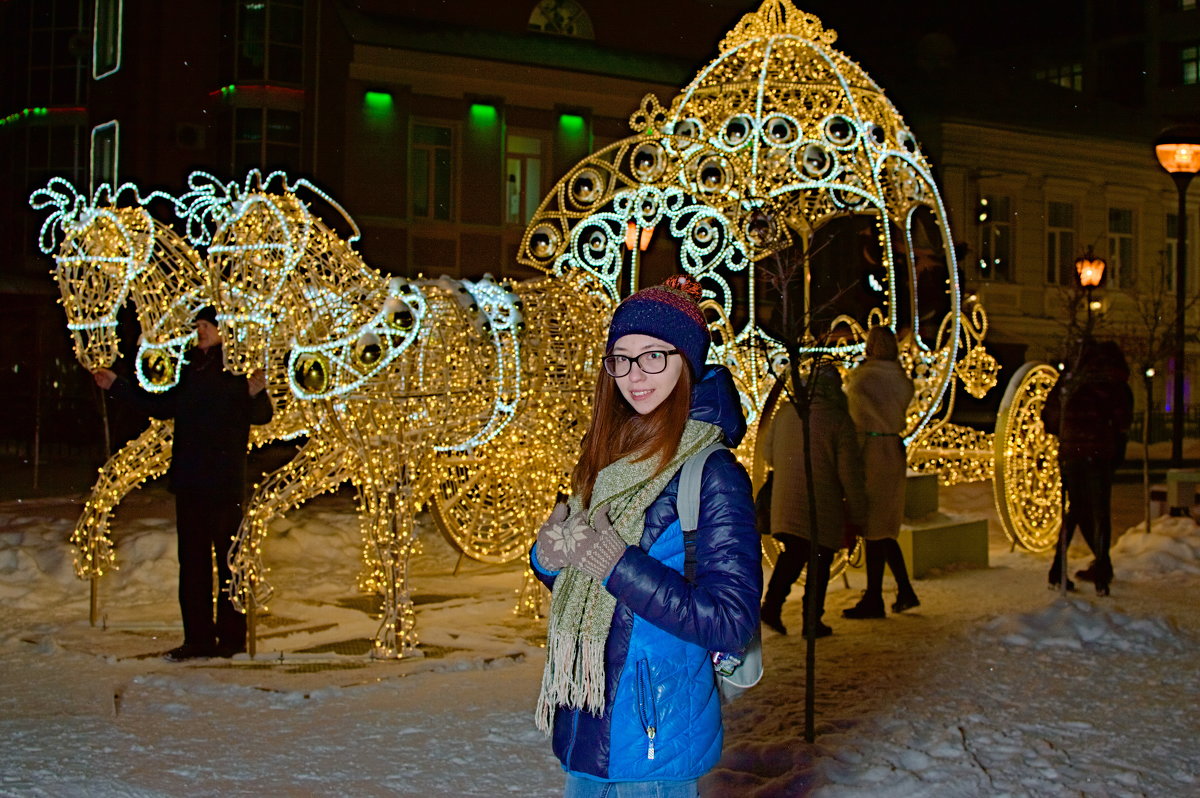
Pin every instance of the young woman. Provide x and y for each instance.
(629, 693)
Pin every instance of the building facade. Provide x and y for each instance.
(440, 128)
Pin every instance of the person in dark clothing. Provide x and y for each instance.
(1090, 409)
(213, 410)
(839, 485)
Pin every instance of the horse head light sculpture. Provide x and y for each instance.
(105, 248)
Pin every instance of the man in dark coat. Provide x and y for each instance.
(213, 410)
(1090, 409)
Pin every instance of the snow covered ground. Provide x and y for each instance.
(995, 685)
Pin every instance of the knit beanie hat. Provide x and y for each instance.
(207, 313)
(669, 312)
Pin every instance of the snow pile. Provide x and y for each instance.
(35, 564)
(1172, 545)
(1077, 624)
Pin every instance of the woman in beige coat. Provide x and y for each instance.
(879, 392)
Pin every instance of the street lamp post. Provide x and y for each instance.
(1090, 270)
(1178, 152)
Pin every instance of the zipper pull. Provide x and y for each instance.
(650, 750)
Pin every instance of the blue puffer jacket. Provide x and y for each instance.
(659, 675)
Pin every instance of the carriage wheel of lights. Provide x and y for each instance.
(468, 396)
(776, 137)
(1027, 485)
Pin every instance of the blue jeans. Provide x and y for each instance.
(587, 788)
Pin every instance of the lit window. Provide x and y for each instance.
(1060, 243)
(523, 178)
(432, 172)
(1170, 258)
(995, 238)
(561, 17)
(57, 57)
(104, 152)
(1189, 64)
(270, 39)
(1121, 270)
(266, 139)
(1068, 76)
(106, 38)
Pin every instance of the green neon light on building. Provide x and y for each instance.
(571, 125)
(483, 115)
(377, 102)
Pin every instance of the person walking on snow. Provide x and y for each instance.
(878, 392)
(1090, 410)
(839, 495)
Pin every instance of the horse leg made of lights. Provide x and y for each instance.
(314, 469)
(145, 457)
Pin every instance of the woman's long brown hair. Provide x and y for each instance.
(617, 430)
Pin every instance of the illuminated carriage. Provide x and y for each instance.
(782, 148)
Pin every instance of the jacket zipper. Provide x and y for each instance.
(646, 710)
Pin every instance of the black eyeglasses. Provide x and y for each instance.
(653, 361)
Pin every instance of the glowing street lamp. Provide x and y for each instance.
(1091, 271)
(1178, 152)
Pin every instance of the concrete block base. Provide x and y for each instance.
(941, 540)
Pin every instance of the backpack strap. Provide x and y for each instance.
(687, 504)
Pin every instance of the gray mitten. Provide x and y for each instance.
(558, 537)
(597, 555)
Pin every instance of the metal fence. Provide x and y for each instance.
(1162, 425)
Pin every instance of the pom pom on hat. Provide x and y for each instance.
(684, 284)
(669, 312)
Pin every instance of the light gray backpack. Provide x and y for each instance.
(738, 670)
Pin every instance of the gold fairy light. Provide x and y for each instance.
(1027, 484)
(778, 134)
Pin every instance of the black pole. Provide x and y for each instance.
(1148, 383)
(1181, 183)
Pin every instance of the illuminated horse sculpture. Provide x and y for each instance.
(113, 254)
(463, 395)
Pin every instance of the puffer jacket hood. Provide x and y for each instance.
(715, 400)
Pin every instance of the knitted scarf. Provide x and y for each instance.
(581, 609)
